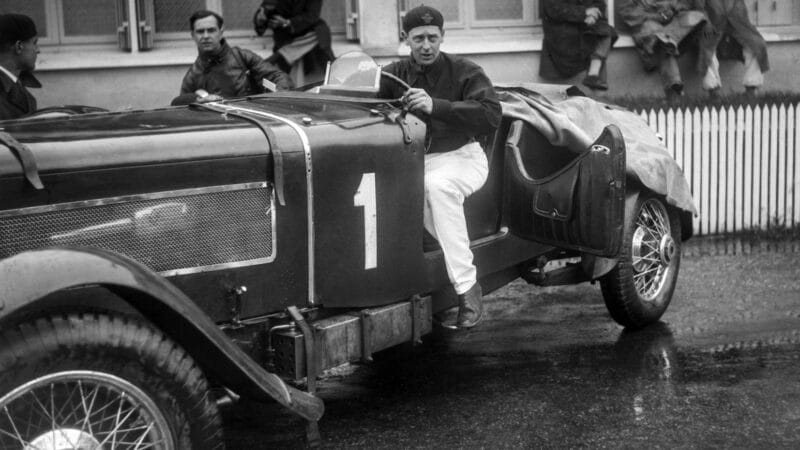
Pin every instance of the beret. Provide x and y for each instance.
(422, 16)
(16, 27)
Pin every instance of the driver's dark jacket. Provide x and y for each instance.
(465, 105)
(232, 72)
(15, 100)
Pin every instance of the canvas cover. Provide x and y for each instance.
(575, 122)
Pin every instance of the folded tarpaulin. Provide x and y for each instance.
(575, 122)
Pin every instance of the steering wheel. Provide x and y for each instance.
(401, 83)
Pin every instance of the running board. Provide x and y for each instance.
(572, 273)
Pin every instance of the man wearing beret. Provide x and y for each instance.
(18, 49)
(459, 105)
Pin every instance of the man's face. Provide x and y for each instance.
(424, 42)
(207, 34)
(27, 53)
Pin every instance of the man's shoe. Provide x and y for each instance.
(595, 82)
(447, 318)
(470, 307)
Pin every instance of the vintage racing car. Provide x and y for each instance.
(156, 263)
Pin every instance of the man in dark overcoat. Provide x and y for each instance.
(577, 37)
(19, 47)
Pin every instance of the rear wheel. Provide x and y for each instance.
(639, 288)
(97, 381)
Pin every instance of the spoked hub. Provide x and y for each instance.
(64, 439)
(653, 249)
(81, 410)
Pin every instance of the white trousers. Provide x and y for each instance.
(451, 177)
(752, 71)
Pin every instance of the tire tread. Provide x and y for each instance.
(101, 339)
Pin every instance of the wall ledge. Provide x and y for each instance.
(165, 55)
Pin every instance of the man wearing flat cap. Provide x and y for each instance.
(18, 49)
(459, 105)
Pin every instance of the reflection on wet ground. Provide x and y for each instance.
(550, 369)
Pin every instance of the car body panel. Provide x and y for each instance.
(166, 306)
(296, 216)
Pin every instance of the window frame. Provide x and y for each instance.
(53, 11)
(81, 38)
(249, 32)
(467, 20)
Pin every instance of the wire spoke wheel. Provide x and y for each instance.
(81, 410)
(117, 383)
(652, 249)
(639, 288)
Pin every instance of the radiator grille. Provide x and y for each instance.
(170, 232)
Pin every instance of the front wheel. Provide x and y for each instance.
(639, 288)
(98, 381)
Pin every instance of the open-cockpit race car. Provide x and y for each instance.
(155, 263)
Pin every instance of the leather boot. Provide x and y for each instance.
(470, 307)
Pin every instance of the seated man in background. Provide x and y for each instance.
(577, 37)
(732, 36)
(19, 46)
(659, 27)
(221, 71)
(459, 105)
(299, 35)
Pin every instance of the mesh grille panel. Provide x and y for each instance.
(173, 232)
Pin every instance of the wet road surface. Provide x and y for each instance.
(549, 368)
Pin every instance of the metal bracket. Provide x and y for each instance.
(367, 326)
(235, 298)
(310, 341)
(417, 310)
(400, 119)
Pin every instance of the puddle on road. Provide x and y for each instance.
(549, 368)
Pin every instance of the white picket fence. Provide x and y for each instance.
(741, 163)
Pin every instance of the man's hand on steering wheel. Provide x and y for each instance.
(417, 100)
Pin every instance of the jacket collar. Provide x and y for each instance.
(215, 58)
(429, 73)
(26, 78)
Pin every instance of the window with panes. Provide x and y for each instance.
(480, 14)
(96, 21)
(172, 16)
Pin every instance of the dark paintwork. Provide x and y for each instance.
(99, 156)
(109, 155)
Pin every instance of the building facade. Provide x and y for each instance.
(130, 54)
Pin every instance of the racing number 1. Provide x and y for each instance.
(365, 196)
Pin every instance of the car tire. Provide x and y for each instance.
(95, 380)
(639, 288)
